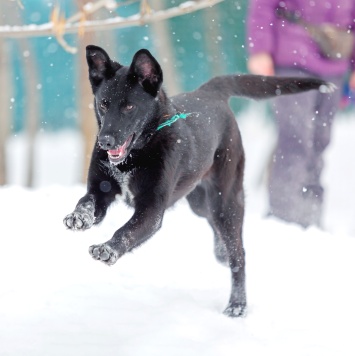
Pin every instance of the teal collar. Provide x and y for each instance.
(173, 119)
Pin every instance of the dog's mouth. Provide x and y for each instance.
(117, 155)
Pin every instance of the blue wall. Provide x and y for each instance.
(204, 44)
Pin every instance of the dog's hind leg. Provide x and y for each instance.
(227, 220)
(220, 249)
(230, 228)
(198, 203)
(225, 213)
(225, 196)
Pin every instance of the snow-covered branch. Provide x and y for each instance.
(77, 24)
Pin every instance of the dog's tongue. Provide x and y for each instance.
(120, 151)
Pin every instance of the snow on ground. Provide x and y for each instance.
(167, 297)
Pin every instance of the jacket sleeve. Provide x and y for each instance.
(260, 26)
(352, 59)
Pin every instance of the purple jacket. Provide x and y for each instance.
(290, 44)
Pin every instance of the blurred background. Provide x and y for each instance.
(166, 298)
(47, 124)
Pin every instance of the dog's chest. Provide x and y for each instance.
(123, 179)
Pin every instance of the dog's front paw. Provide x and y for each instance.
(104, 253)
(78, 221)
(234, 310)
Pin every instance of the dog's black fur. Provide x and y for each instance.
(200, 157)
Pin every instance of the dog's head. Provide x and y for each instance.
(126, 100)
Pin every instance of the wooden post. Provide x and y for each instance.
(6, 86)
(87, 118)
(5, 104)
(86, 111)
(211, 19)
(32, 106)
(161, 33)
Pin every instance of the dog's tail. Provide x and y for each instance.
(263, 87)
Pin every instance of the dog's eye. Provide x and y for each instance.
(104, 104)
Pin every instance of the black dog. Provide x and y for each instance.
(152, 151)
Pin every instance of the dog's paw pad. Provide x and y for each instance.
(104, 253)
(78, 221)
(235, 310)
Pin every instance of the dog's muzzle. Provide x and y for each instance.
(118, 154)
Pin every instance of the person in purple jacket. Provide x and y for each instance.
(279, 47)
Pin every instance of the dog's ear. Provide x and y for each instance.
(147, 70)
(100, 65)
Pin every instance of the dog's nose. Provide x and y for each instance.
(106, 142)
